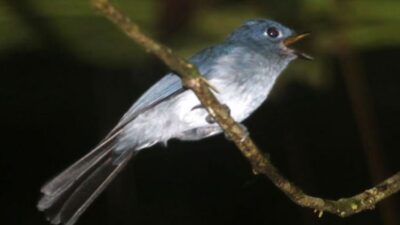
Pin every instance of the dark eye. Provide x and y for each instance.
(273, 32)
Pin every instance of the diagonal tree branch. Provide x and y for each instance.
(193, 79)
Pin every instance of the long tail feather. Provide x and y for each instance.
(65, 179)
(69, 194)
(84, 196)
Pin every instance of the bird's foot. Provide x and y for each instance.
(226, 108)
(211, 119)
(246, 134)
(209, 85)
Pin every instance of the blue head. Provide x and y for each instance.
(268, 37)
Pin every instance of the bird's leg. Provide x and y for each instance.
(209, 118)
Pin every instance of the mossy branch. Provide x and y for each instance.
(193, 80)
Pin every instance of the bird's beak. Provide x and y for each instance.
(295, 38)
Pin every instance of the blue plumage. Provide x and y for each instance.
(243, 68)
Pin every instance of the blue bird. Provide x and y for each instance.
(243, 68)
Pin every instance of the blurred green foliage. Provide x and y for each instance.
(365, 24)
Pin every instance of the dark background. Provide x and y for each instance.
(331, 125)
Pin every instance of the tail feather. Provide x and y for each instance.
(64, 180)
(67, 180)
(69, 194)
(87, 192)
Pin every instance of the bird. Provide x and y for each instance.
(243, 68)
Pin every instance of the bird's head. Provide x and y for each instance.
(268, 37)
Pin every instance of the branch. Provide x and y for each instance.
(193, 80)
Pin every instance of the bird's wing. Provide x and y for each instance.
(167, 87)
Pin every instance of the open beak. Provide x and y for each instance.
(295, 38)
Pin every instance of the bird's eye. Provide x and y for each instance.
(272, 32)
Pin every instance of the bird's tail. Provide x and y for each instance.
(68, 195)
